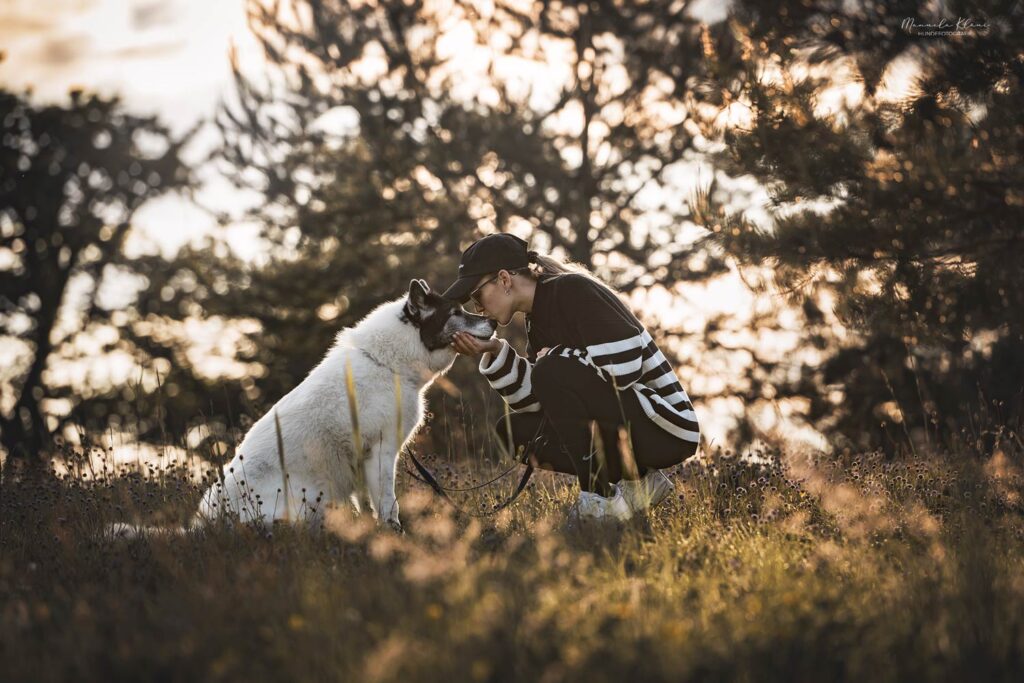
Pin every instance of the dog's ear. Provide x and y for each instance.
(417, 300)
(418, 290)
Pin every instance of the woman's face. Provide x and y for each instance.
(489, 298)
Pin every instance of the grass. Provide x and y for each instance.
(791, 569)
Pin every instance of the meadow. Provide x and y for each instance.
(770, 566)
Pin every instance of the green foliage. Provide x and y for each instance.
(71, 177)
(906, 213)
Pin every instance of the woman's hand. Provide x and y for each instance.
(543, 352)
(468, 345)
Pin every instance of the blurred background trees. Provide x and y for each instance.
(384, 137)
(381, 148)
(896, 222)
(70, 179)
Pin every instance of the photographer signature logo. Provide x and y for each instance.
(962, 26)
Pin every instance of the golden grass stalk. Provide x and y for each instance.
(597, 447)
(357, 438)
(284, 469)
(629, 466)
(508, 429)
(398, 411)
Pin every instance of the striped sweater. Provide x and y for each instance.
(579, 318)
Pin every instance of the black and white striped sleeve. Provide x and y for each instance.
(621, 359)
(614, 341)
(509, 374)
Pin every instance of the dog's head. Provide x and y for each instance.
(438, 319)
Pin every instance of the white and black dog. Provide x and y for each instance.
(409, 338)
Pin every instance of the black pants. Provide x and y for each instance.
(575, 403)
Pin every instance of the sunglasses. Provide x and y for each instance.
(473, 296)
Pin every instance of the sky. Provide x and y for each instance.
(165, 57)
(162, 57)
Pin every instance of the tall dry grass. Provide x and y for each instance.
(771, 568)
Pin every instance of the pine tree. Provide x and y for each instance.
(377, 162)
(71, 178)
(907, 213)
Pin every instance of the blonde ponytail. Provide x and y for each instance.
(543, 266)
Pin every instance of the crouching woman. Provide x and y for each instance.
(588, 361)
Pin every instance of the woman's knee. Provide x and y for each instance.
(548, 373)
(665, 454)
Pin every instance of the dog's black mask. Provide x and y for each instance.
(438, 319)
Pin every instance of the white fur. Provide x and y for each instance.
(317, 430)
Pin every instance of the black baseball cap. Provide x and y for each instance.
(501, 251)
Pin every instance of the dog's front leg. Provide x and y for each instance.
(380, 482)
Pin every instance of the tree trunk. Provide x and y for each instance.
(24, 434)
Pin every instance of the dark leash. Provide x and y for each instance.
(430, 480)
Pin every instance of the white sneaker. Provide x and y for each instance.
(595, 506)
(648, 492)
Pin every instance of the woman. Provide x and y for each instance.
(595, 363)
